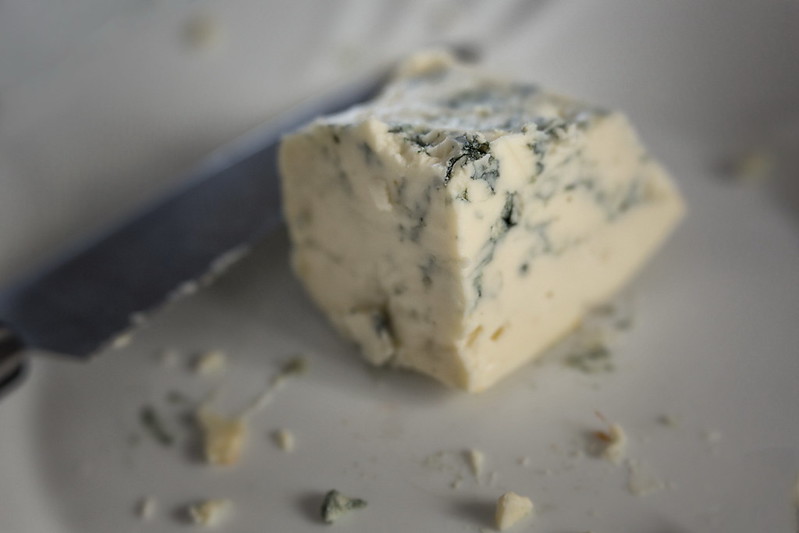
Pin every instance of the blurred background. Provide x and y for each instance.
(103, 103)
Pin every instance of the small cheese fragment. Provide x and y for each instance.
(207, 512)
(146, 507)
(754, 166)
(460, 225)
(335, 504)
(284, 439)
(476, 460)
(204, 33)
(223, 437)
(511, 508)
(210, 363)
(616, 444)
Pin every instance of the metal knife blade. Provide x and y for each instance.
(91, 293)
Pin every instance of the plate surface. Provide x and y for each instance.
(712, 347)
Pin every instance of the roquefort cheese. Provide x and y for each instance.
(459, 225)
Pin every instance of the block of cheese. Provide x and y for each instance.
(459, 225)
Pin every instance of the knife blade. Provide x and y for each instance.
(91, 293)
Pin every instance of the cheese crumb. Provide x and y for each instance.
(284, 439)
(146, 508)
(616, 444)
(476, 460)
(336, 504)
(223, 437)
(590, 353)
(210, 363)
(207, 512)
(204, 33)
(754, 166)
(122, 340)
(668, 420)
(511, 508)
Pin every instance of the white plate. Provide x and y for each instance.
(714, 341)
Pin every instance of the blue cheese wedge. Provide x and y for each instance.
(459, 225)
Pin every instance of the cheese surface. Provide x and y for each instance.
(459, 225)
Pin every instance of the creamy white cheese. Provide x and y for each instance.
(459, 225)
(223, 437)
(511, 508)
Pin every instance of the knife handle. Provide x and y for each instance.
(13, 363)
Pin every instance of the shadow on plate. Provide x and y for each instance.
(478, 511)
(309, 505)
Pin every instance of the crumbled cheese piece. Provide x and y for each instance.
(592, 359)
(589, 349)
(204, 33)
(122, 340)
(753, 166)
(336, 504)
(476, 460)
(187, 288)
(668, 420)
(640, 480)
(284, 439)
(207, 512)
(146, 507)
(210, 363)
(223, 437)
(616, 445)
(511, 508)
(153, 423)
